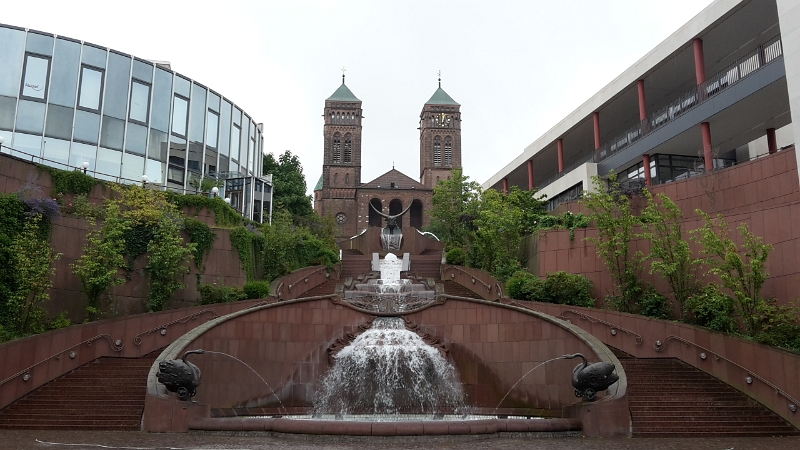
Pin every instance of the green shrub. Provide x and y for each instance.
(256, 289)
(69, 181)
(524, 285)
(568, 289)
(653, 304)
(219, 293)
(778, 325)
(712, 309)
(200, 234)
(456, 256)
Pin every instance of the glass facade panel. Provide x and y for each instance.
(182, 86)
(91, 88)
(12, 49)
(112, 133)
(224, 164)
(213, 101)
(224, 130)
(162, 93)
(157, 145)
(87, 127)
(66, 65)
(177, 161)
(140, 99)
(94, 56)
(236, 136)
(142, 71)
(244, 142)
(26, 145)
(59, 122)
(212, 125)
(34, 83)
(132, 167)
(118, 76)
(180, 109)
(82, 153)
(197, 116)
(136, 140)
(237, 116)
(8, 106)
(154, 171)
(39, 43)
(57, 151)
(108, 163)
(30, 116)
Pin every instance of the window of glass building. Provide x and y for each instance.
(12, 49)
(91, 88)
(236, 134)
(212, 128)
(34, 80)
(30, 116)
(118, 80)
(140, 100)
(66, 73)
(59, 122)
(55, 151)
(180, 109)
(108, 164)
(87, 127)
(162, 95)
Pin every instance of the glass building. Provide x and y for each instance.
(65, 103)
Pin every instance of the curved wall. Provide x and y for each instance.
(70, 102)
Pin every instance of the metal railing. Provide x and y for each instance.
(697, 95)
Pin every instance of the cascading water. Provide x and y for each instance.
(389, 370)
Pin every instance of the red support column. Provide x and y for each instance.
(707, 156)
(596, 119)
(642, 104)
(505, 186)
(699, 61)
(772, 141)
(530, 175)
(560, 155)
(648, 181)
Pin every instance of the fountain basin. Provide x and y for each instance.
(382, 428)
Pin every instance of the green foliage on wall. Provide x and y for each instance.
(12, 219)
(256, 289)
(201, 235)
(166, 262)
(559, 287)
(69, 181)
(224, 214)
(211, 293)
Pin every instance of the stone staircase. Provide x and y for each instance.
(669, 398)
(453, 288)
(105, 394)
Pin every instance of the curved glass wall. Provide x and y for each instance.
(65, 102)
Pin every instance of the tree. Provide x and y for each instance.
(99, 266)
(610, 210)
(34, 259)
(168, 258)
(670, 254)
(455, 207)
(289, 184)
(743, 271)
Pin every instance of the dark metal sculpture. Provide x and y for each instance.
(180, 376)
(589, 379)
(391, 220)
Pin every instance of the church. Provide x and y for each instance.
(341, 193)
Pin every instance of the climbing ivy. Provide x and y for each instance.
(250, 246)
(166, 266)
(201, 235)
(224, 214)
(69, 181)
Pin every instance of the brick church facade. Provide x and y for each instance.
(340, 192)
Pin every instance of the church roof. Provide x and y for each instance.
(344, 94)
(440, 97)
(318, 187)
(400, 180)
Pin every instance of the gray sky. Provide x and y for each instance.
(516, 67)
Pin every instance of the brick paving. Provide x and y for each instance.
(86, 440)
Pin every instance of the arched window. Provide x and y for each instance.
(375, 218)
(396, 207)
(347, 179)
(348, 149)
(337, 149)
(437, 151)
(335, 178)
(448, 152)
(415, 219)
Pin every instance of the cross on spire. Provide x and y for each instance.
(343, 71)
(440, 78)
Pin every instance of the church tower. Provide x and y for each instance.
(439, 138)
(342, 133)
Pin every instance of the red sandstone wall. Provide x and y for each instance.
(763, 193)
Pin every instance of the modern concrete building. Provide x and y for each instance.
(70, 104)
(719, 91)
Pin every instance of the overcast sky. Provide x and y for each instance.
(516, 67)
